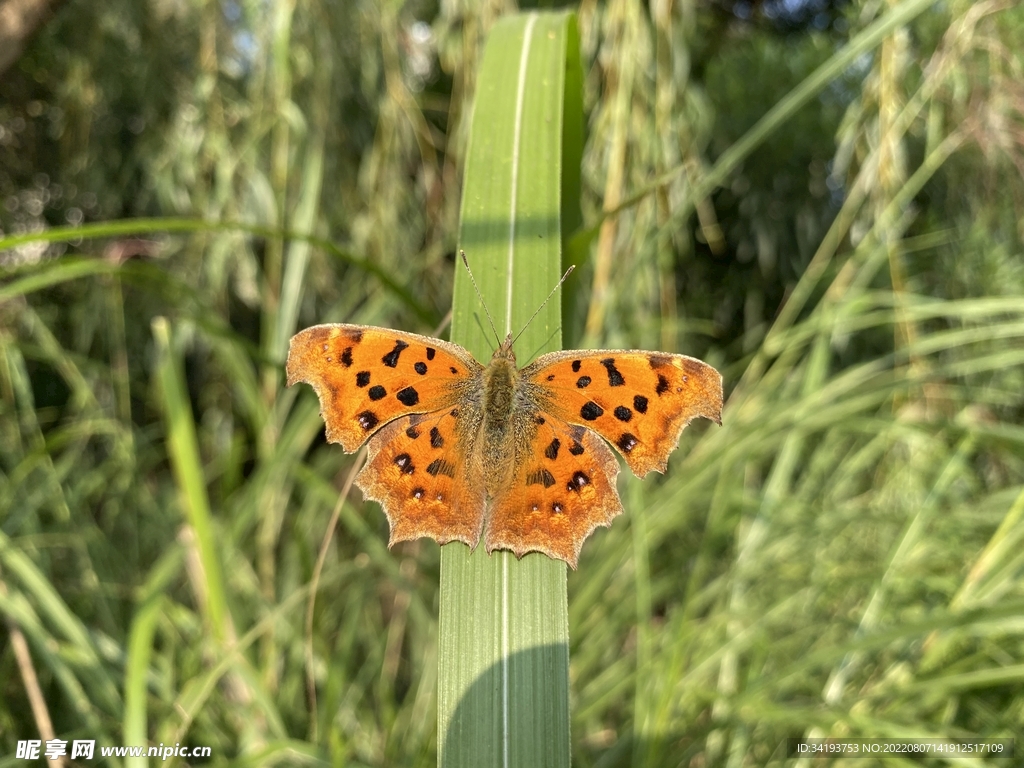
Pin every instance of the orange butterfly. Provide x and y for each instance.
(457, 447)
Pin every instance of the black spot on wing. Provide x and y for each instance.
(583, 382)
(578, 482)
(615, 378)
(346, 357)
(362, 379)
(436, 440)
(627, 442)
(551, 451)
(441, 467)
(540, 477)
(575, 366)
(430, 353)
(391, 358)
(640, 403)
(421, 368)
(576, 449)
(663, 385)
(622, 413)
(377, 392)
(417, 493)
(408, 396)
(404, 462)
(412, 433)
(557, 508)
(591, 410)
(367, 420)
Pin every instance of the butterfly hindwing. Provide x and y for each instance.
(365, 377)
(563, 489)
(638, 401)
(417, 469)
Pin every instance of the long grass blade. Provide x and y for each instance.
(503, 685)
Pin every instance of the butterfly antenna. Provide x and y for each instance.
(533, 355)
(567, 273)
(481, 297)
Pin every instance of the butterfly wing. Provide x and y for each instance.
(366, 377)
(638, 401)
(417, 469)
(563, 488)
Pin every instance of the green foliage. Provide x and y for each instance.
(841, 556)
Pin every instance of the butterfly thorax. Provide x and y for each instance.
(500, 380)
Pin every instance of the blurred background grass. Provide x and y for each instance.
(842, 557)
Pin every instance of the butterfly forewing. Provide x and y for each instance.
(638, 401)
(366, 377)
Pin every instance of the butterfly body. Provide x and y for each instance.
(458, 450)
(501, 387)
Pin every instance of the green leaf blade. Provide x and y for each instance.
(503, 689)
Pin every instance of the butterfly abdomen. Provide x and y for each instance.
(499, 394)
(499, 380)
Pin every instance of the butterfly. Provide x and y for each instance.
(459, 450)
